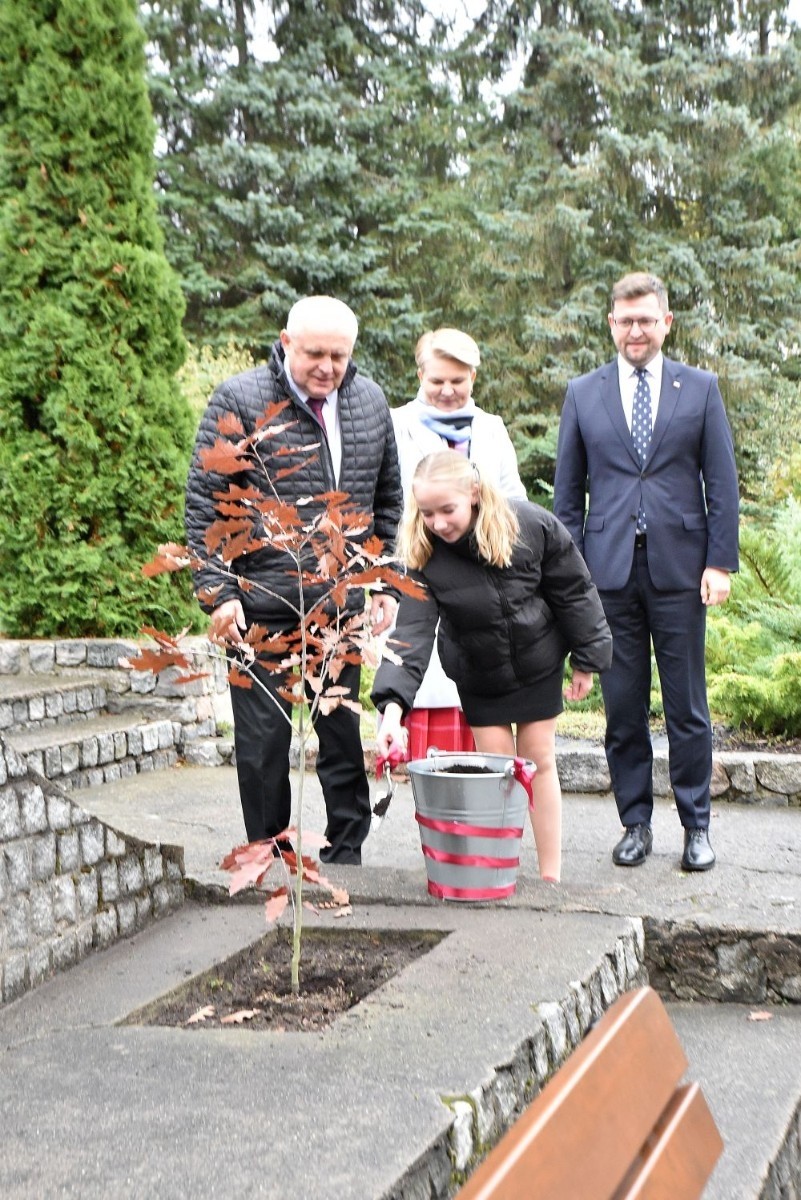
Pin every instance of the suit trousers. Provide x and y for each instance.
(676, 623)
(262, 737)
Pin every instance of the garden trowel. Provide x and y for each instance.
(383, 802)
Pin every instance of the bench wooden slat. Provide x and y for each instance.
(579, 1137)
(680, 1154)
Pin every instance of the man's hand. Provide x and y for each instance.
(580, 686)
(715, 586)
(382, 611)
(227, 623)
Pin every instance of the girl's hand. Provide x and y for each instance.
(391, 733)
(580, 686)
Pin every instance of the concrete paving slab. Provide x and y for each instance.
(750, 1072)
(90, 1108)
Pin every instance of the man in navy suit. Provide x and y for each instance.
(646, 483)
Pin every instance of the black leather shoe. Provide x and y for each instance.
(634, 847)
(698, 854)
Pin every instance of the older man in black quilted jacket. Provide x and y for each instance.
(347, 414)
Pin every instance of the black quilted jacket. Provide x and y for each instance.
(369, 473)
(499, 627)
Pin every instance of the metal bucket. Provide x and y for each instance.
(470, 824)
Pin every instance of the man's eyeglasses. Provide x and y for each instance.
(645, 323)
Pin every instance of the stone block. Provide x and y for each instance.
(150, 737)
(42, 920)
(661, 776)
(175, 871)
(126, 917)
(144, 909)
(34, 761)
(43, 856)
(65, 900)
(780, 773)
(153, 866)
(84, 937)
(89, 752)
(135, 742)
(68, 852)
(18, 922)
(143, 683)
(86, 891)
(18, 866)
(3, 771)
(132, 876)
(5, 891)
(54, 704)
(108, 882)
(105, 748)
(6, 716)
(92, 843)
(462, 1146)
(553, 1019)
(10, 658)
(719, 783)
(84, 699)
(107, 653)
(582, 771)
(10, 819)
(112, 773)
(42, 658)
(52, 762)
(145, 764)
(127, 768)
(15, 976)
(36, 709)
(105, 928)
(39, 963)
(70, 654)
(202, 754)
(166, 740)
(70, 758)
(120, 745)
(94, 777)
(64, 950)
(162, 901)
(116, 846)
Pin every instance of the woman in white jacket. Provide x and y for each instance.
(443, 414)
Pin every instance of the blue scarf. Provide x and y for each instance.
(454, 426)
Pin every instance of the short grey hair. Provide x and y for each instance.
(317, 314)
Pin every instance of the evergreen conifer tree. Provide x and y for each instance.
(95, 437)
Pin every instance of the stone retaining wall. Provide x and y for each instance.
(741, 777)
(482, 1117)
(68, 883)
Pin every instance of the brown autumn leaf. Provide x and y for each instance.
(202, 1014)
(225, 458)
(760, 1015)
(276, 905)
(236, 1018)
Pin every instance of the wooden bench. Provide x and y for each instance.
(612, 1124)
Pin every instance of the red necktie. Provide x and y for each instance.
(316, 405)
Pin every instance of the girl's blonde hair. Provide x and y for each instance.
(496, 529)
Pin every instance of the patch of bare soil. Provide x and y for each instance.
(252, 989)
(724, 738)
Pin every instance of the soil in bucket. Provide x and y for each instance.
(464, 769)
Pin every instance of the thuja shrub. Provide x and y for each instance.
(96, 437)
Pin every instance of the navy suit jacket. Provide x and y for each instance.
(688, 482)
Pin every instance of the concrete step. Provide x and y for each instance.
(750, 1072)
(100, 749)
(33, 701)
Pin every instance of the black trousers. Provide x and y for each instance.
(262, 736)
(676, 622)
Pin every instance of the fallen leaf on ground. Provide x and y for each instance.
(244, 1014)
(760, 1016)
(344, 912)
(202, 1014)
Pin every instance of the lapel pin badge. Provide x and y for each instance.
(676, 383)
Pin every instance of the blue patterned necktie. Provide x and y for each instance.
(641, 430)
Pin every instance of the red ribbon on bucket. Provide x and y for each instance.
(524, 774)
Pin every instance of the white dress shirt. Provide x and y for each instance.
(330, 415)
(628, 382)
